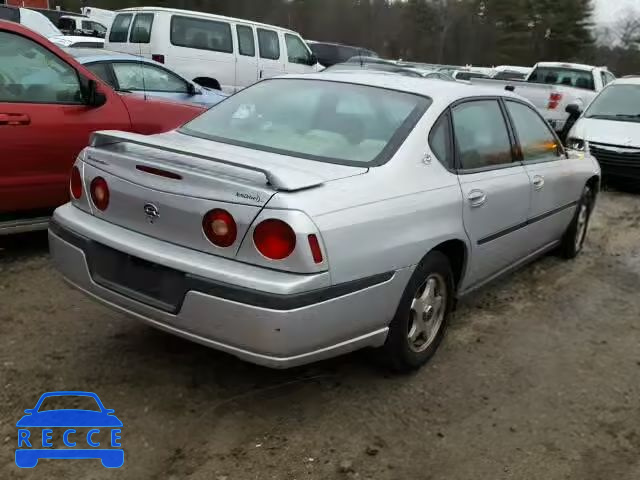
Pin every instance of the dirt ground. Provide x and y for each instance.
(538, 378)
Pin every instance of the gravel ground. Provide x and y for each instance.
(538, 378)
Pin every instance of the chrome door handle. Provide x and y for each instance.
(477, 198)
(538, 182)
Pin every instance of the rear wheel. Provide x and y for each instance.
(576, 234)
(421, 319)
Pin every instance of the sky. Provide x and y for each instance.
(609, 10)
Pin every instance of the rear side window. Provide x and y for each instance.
(481, 135)
(201, 34)
(345, 53)
(440, 141)
(141, 29)
(269, 44)
(246, 42)
(536, 140)
(120, 28)
(68, 24)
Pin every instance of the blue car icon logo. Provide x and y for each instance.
(69, 433)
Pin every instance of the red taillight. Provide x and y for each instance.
(314, 245)
(100, 193)
(157, 58)
(75, 183)
(220, 228)
(274, 239)
(554, 100)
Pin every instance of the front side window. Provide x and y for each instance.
(536, 140)
(324, 121)
(481, 135)
(616, 102)
(134, 76)
(296, 50)
(246, 42)
(120, 28)
(30, 73)
(141, 29)
(269, 44)
(201, 34)
(103, 71)
(563, 76)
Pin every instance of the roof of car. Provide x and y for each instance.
(630, 80)
(575, 66)
(89, 55)
(436, 89)
(195, 13)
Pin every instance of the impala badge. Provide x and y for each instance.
(152, 212)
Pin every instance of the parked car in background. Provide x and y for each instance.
(49, 106)
(39, 23)
(552, 86)
(510, 72)
(318, 214)
(361, 59)
(329, 54)
(351, 67)
(466, 74)
(609, 130)
(100, 15)
(81, 26)
(132, 74)
(213, 51)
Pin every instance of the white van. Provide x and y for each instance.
(211, 50)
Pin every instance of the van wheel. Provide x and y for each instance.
(421, 319)
(208, 83)
(573, 240)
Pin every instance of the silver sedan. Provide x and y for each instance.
(309, 216)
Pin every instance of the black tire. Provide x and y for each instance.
(572, 245)
(398, 352)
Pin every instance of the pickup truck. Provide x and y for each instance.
(50, 105)
(552, 86)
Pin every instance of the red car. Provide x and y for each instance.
(49, 106)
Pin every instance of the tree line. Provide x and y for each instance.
(456, 32)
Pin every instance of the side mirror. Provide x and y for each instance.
(510, 88)
(574, 110)
(109, 411)
(91, 95)
(29, 411)
(312, 59)
(192, 90)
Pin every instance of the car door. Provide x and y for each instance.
(44, 123)
(556, 183)
(495, 189)
(153, 80)
(270, 62)
(298, 55)
(247, 61)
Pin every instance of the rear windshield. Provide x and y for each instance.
(326, 121)
(617, 102)
(563, 76)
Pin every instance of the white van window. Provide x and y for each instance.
(141, 29)
(246, 42)
(120, 28)
(296, 50)
(269, 44)
(202, 34)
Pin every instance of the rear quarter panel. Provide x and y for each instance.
(388, 218)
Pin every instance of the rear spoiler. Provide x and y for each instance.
(293, 180)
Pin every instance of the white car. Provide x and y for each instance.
(217, 52)
(610, 130)
(42, 25)
(552, 86)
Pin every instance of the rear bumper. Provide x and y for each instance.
(292, 320)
